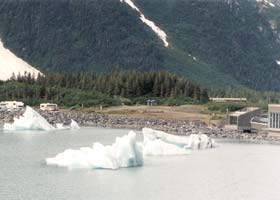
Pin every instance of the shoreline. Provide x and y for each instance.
(176, 127)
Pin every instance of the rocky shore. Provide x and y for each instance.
(177, 127)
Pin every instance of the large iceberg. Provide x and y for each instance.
(31, 120)
(194, 141)
(125, 152)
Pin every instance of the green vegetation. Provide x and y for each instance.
(90, 89)
(75, 35)
(233, 38)
(214, 43)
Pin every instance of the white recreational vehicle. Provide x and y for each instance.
(11, 105)
(48, 106)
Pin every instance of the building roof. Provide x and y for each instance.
(228, 99)
(243, 111)
(273, 105)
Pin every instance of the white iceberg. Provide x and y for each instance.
(31, 120)
(74, 125)
(125, 152)
(194, 141)
(200, 141)
(159, 148)
(61, 126)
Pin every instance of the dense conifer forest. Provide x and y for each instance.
(91, 89)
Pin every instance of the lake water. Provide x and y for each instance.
(234, 171)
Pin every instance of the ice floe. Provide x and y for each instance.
(194, 141)
(74, 124)
(30, 120)
(125, 152)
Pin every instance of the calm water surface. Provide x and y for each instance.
(234, 171)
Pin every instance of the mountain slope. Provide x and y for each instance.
(233, 35)
(215, 43)
(71, 35)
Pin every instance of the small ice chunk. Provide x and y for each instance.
(60, 126)
(74, 124)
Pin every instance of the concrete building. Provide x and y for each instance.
(223, 100)
(274, 117)
(48, 106)
(241, 120)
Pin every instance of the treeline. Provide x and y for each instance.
(116, 85)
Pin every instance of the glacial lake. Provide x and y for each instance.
(234, 171)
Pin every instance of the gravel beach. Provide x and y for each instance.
(177, 127)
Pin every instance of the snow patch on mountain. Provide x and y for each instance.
(160, 33)
(10, 63)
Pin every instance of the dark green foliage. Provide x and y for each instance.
(130, 84)
(75, 35)
(92, 89)
(234, 36)
(34, 95)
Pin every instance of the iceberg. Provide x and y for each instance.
(158, 147)
(74, 125)
(31, 120)
(125, 152)
(200, 141)
(194, 141)
(61, 126)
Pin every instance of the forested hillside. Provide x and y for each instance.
(214, 43)
(67, 35)
(235, 36)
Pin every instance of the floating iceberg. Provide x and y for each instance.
(158, 143)
(31, 120)
(200, 141)
(125, 152)
(73, 125)
(158, 147)
(194, 141)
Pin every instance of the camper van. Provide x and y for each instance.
(48, 107)
(11, 105)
